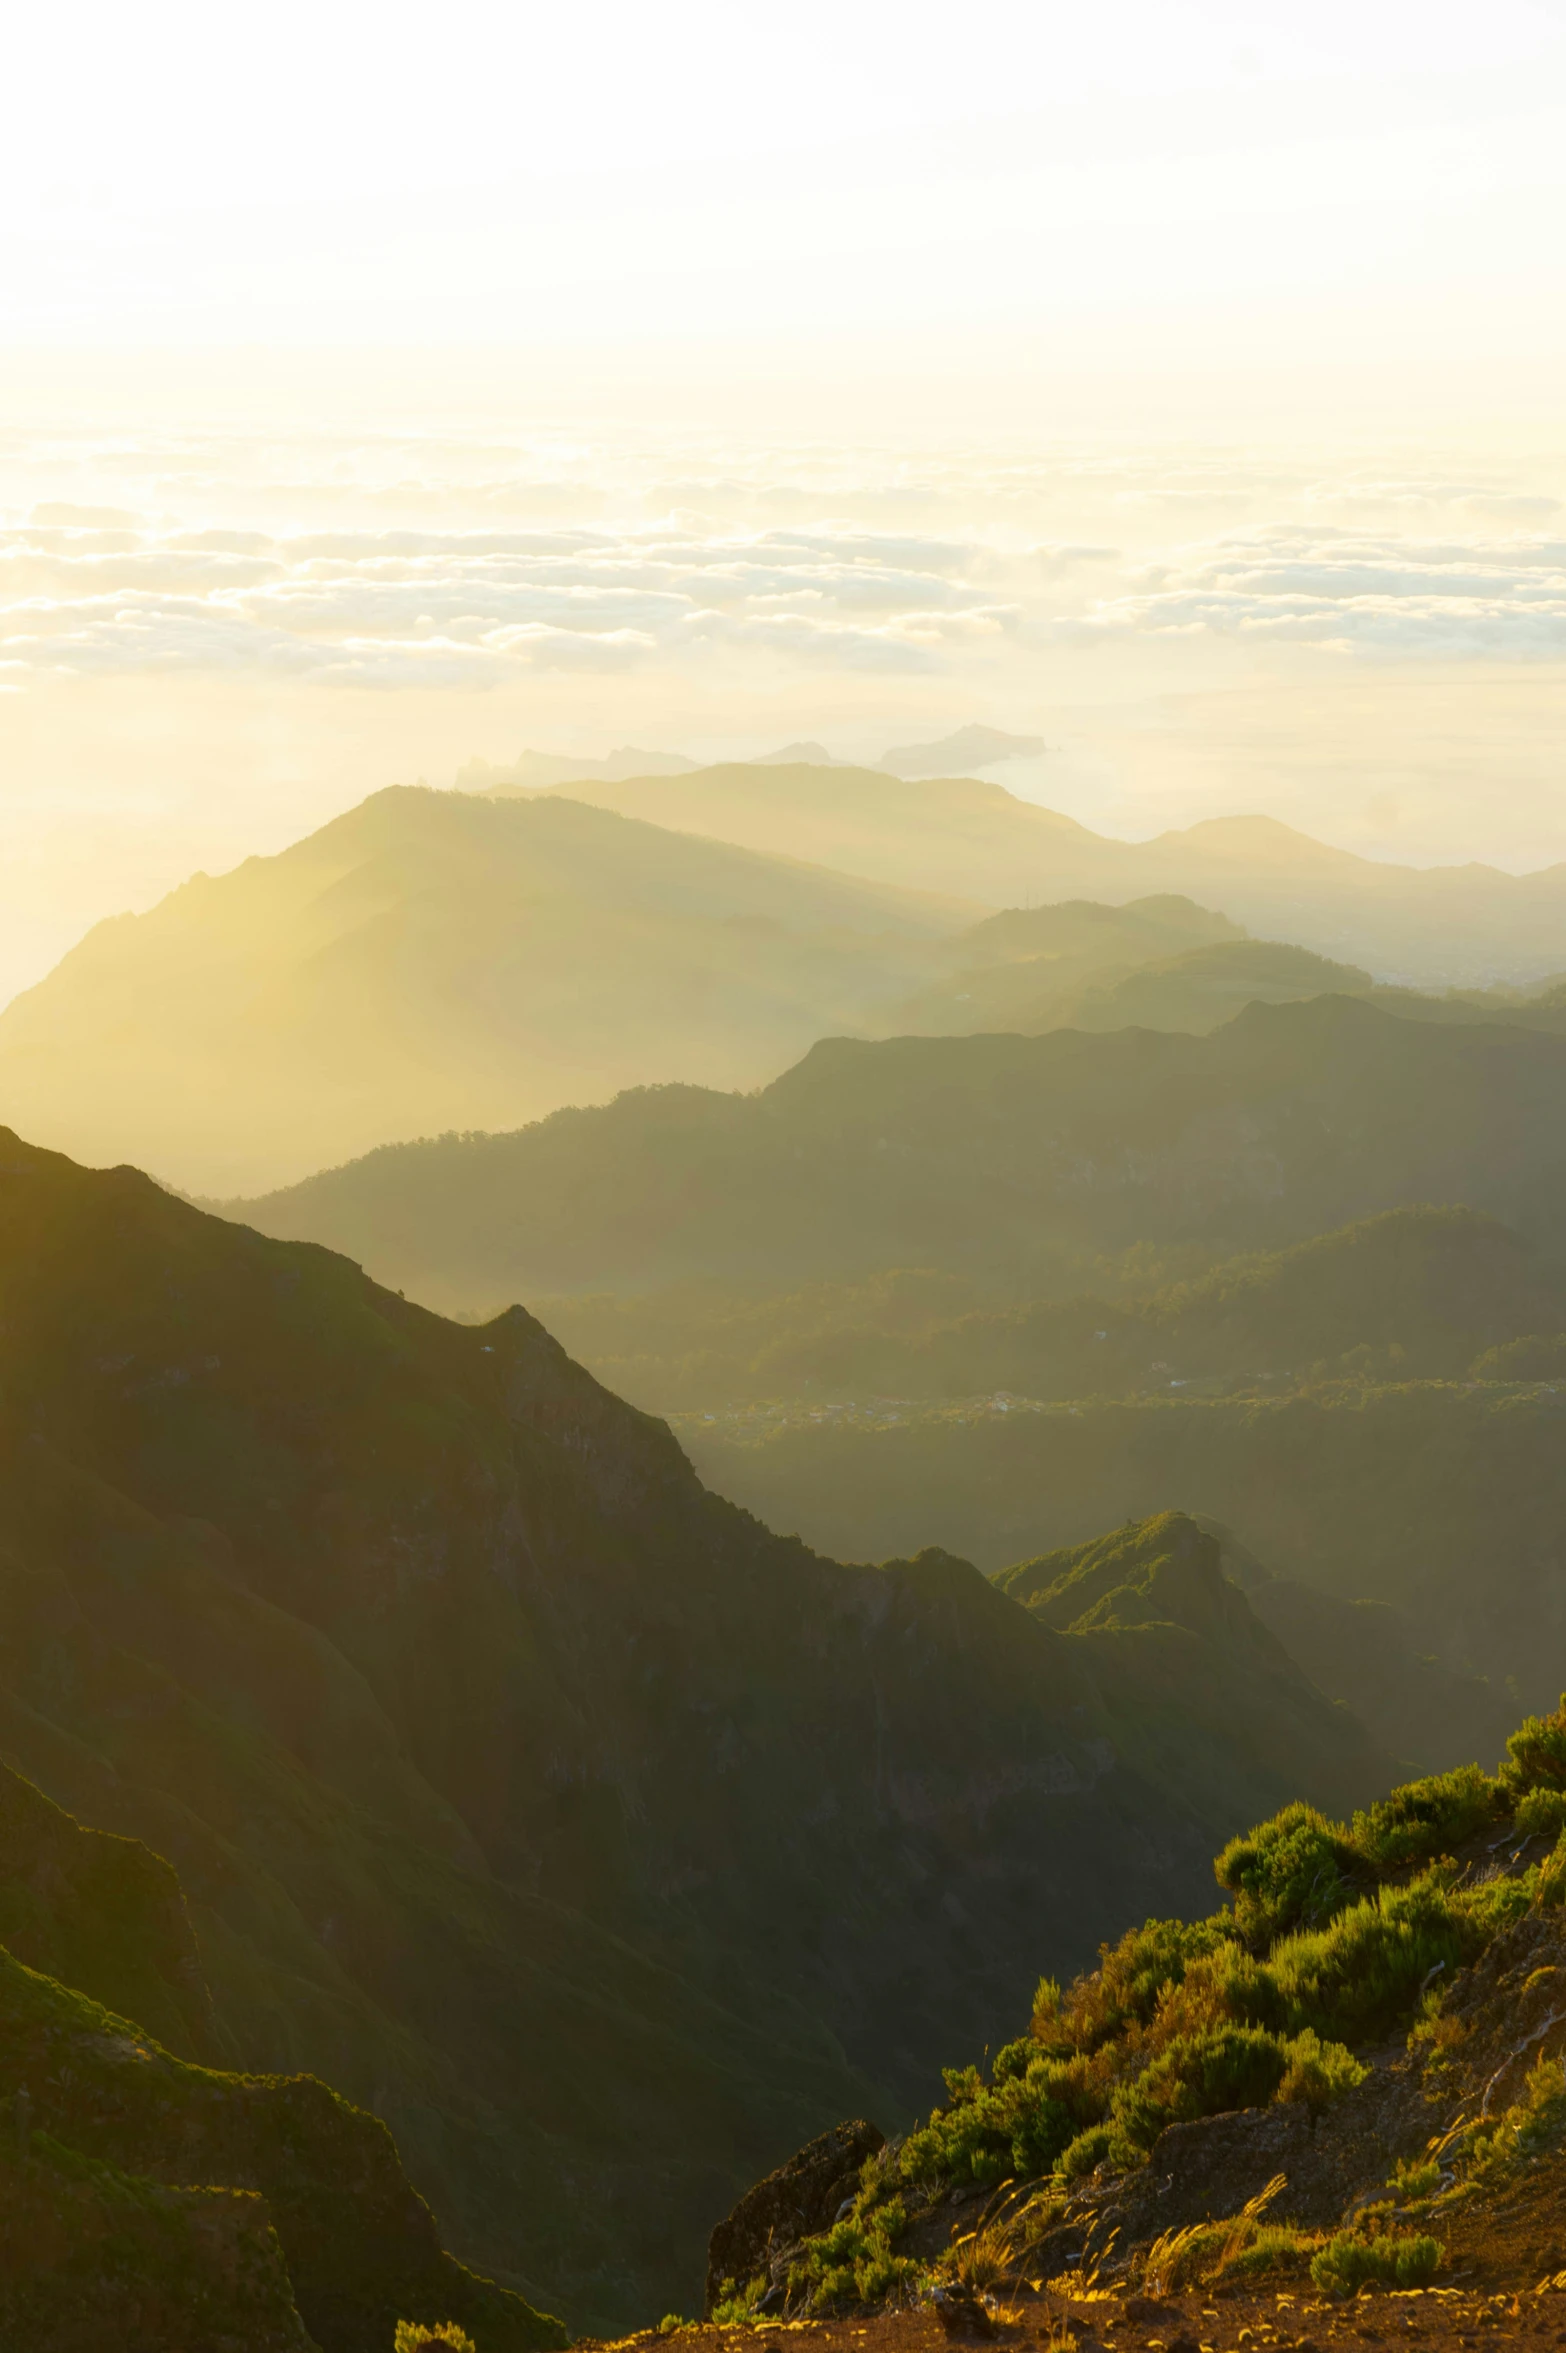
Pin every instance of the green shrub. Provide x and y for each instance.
(1086, 2153)
(1362, 1974)
(1536, 1753)
(1242, 2247)
(1199, 2075)
(1276, 2246)
(855, 2262)
(1318, 2073)
(1426, 1818)
(1126, 1985)
(1346, 2263)
(1541, 1813)
(438, 2336)
(1017, 2125)
(1291, 1871)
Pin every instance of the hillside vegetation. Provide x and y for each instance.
(520, 1788)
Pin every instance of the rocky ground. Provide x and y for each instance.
(1464, 2312)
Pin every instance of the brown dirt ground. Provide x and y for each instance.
(1438, 2318)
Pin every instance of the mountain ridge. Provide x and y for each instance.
(514, 1778)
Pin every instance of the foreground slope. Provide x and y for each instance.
(600, 1840)
(1008, 1158)
(431, 960)
(1428, 925)
(1351, 2076)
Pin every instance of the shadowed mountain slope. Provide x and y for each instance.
(1154, 1595)
(1432, 926)
(603, 1842)
(433, 960)
(1003, 1157)
(308, 2233)
(1445, 1499)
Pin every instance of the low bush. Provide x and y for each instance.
(1291, 1871)
(431, 2336)
(1346, 2264)
(855, 2262)
(1126, 1987)
(1425, 1819)
(1359, 1976)
(1318, 2073)
(1242, 2248)
(1018, 2124)
(1536, 1753)
(1541, 1813)
(1199, 2075)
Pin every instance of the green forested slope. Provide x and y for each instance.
(1015, 1161)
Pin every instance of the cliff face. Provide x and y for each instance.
(524, 1790)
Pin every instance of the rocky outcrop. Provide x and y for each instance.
(802, 2197)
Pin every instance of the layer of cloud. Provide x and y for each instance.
(470, 607)
(1392, 597)
(438, 560)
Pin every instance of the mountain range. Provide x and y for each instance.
(535, 1798)
(439, 962)
(1429, 927)
(1011, 1160)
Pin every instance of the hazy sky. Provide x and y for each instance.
(1181, 382)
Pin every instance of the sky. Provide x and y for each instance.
(1181, 383)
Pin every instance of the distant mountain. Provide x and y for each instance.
(960, 753)
(1033, 968)
(609, 1843)
(1153, 1596)
(1194, 989)
(433, 961)
(544, 771)
(1007, 1159)
(793, 755)
(1436, 926)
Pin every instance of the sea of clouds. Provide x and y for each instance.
(384, 566)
